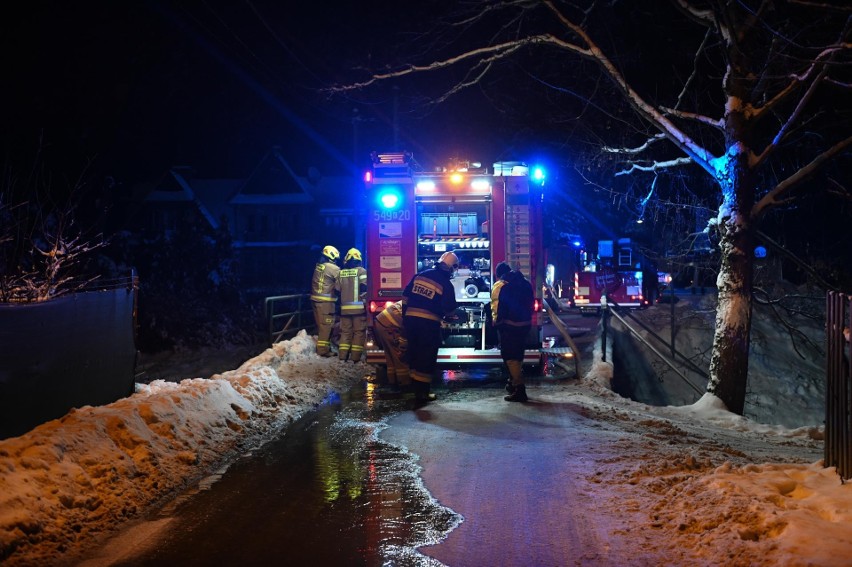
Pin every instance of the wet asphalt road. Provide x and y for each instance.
(326, 491)
(367, 480)
(467, 480)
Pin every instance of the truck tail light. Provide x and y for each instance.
(536, 306)
(379, 306)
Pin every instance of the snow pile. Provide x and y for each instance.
(754, 514)
(701, 497)
(759, 514)
(72, 478)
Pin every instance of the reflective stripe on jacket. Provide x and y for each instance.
(391, 316)
(430, 295)
(324, 282)
(352, 284)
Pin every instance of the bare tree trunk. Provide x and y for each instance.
(729, 360)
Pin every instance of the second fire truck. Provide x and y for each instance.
(615, 273)
(486, 216)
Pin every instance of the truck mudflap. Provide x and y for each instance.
(464, 356)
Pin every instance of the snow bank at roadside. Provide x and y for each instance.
(706, 513)
(75, 477)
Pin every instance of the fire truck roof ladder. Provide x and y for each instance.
(518, 238)
(391, 158)
(393, 166)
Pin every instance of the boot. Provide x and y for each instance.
(519, 395)
(407, 391)
(422, 395)
(516, 373)
(390, 389)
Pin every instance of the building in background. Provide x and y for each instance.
(277, 219)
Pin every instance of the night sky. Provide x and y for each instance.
(137, 87)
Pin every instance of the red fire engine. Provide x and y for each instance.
(485, 217)
(615, 273)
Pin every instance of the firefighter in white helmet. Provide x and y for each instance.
(323, 297)
(352, 285)
(427, 299)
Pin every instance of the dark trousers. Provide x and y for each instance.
(424, 340)
(513, 341)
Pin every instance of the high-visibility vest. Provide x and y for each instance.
(351, 282)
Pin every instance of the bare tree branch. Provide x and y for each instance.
(836, 83)
(777, 194)
(494, 53)
(704, 17)
(466, 83)
(716, 123)
(655, 166)
(823, 6)
(791, 120)
(637, 149)
(694, 73)
(797, 80)
(679, 138)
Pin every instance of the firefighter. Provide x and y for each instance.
(427, 299)
(352, 285)
(323, 297)
(390, 334)
(512, 303)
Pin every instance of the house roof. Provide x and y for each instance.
(210, 196)
(272, 182)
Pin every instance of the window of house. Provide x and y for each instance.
(337, 221)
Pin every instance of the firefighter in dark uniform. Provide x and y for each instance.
(512, 303)
(390, 334)
(352, 285)
(427, 299)
(323, 297)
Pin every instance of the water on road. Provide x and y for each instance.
(327, 491)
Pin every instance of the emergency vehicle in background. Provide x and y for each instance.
(485, 217)
(615, 272)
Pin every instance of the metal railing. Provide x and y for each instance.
(838, 392)
(608, 311)
(286, 315)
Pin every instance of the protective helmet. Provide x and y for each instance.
(353, 254)
(331, 253)
(449, 261)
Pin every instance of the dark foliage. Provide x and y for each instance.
(189, 293)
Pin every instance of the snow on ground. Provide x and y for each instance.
(73, 479)
(77, 477)
(702, 498)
